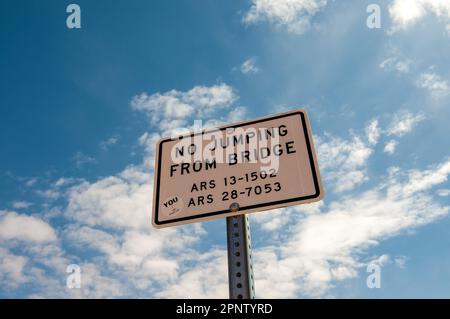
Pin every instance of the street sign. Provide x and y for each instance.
(236, 169)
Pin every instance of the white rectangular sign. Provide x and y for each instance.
(240, 168)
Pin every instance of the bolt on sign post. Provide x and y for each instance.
(234, 170)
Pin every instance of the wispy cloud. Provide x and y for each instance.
(294, 15)
(390, 147)
(432, 82)
(373, 132)
(249, 66)
(396, 62)
(343, 162)
(21, 204)
(404, 122)
(64, 181)
(80, 160)
(31, 181)
(48, 194)
(104, 145)
(443, 192)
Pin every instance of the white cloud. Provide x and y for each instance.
(400, 261)
(406, 13)
(380, 260)
(31, 181)
(343, 162)
(96, 284)
(113, 140)
(432, 82)
(208, 279)
(324, 247)
(249, 66)
(443, 192)
(294, 15)
(395, 63)
(142, 252)
(148, 142)
(12, 269)
(115, 201)
(236, 115)
(373, 132)
(171, 109)
(423, 180)
(80, 159)
(65, 181)
(272, 219)
(390, 147)
(112, 217)
(49, 194)
(24, 227)
(404, 122)
(21, 204)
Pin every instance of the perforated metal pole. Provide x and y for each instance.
(240, 269)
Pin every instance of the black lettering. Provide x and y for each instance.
(282, 130)
(184, 167)
(173, 169)
(179, 151)
(265, 154)
(209, 164)
(192, 149)
(277, 150)
(269, 132)
(249, 136)
(237, 139)
(232, 159)
(246, 156)
(290, 148)
(197, 166)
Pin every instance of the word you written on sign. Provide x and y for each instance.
(261, 164)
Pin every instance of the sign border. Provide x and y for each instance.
(317, 196)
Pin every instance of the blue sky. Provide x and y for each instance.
(81, 110)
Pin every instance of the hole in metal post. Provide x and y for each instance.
(234, 207)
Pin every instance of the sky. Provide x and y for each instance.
(81, 110)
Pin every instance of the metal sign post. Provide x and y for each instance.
(240, 269)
